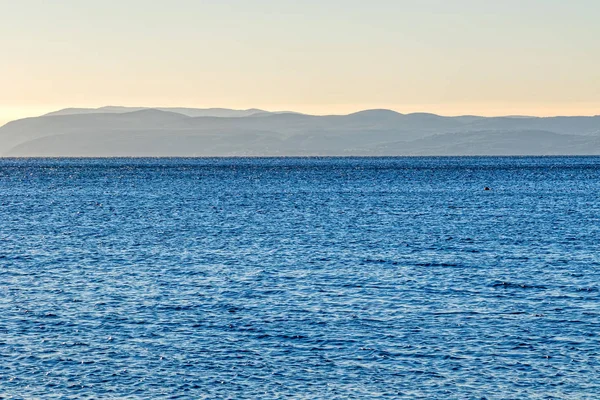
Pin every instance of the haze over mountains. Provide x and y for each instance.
(139, 131)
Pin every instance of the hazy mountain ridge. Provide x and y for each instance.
(140, 131)
(190, 112)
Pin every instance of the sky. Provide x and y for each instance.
(451, 57)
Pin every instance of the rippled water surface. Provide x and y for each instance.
(300, 278)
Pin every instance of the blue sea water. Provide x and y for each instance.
(310, 278)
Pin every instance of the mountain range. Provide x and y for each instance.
(139, 131)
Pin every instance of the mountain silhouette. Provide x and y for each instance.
(142, 131)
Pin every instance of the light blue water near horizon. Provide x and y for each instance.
(300, 278)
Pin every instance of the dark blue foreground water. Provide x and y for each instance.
(300, 278)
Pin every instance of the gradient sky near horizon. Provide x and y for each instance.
(451, 57)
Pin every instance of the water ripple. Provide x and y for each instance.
(300, 278)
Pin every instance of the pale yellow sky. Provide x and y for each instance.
(452, 57)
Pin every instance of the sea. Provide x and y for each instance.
(300, 278)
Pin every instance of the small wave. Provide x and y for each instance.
(511, 285)
(587, 289)
(380, 261)
(436, 264)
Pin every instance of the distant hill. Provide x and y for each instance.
(141, 131)
(190, 112)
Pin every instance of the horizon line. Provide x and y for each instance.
(41, 112)
(259, 109)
